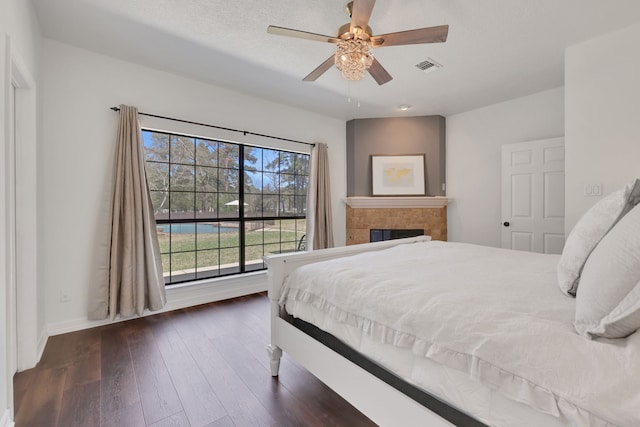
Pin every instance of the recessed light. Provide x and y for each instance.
(404, 107)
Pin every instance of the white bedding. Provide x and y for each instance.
(495, 315)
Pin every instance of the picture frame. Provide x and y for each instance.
(398, 175)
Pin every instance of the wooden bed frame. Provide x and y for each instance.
(382, 403)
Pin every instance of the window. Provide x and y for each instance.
(221, 206)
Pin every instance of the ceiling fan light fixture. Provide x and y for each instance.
(353, 58)
(355, 41)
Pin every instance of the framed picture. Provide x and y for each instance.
(401, 175)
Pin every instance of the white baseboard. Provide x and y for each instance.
(180, 296)
(6, 420)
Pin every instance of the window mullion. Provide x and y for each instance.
(241, 225)
(170, 226)
(195, 208)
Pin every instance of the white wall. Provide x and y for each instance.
(602, 117)
(78, 144)
(474, 141)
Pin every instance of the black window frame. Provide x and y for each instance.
(242, 218)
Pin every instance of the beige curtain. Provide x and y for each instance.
(135, 266)
(319, 223)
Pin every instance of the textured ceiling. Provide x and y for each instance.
(496, 50)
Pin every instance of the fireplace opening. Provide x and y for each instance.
(380, 234)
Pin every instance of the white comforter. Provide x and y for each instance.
(496, 314)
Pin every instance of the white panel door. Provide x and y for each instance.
(533, 196)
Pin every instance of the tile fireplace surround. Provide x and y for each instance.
(366, 213)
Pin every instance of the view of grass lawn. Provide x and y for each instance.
(204, 250)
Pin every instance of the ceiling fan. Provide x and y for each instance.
(355, 41)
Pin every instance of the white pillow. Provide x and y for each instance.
(608, 303)
(589, 230)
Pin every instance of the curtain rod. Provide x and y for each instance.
(244, 132)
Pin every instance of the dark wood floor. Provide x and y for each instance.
(202, 366)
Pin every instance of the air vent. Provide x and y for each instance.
(428, 65)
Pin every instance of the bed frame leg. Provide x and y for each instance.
(275, 353)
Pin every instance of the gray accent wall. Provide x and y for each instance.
(394, 136)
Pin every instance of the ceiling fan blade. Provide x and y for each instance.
(361, 12)
(322, 68)
(421, 35)
(281, 31)
(378, 72)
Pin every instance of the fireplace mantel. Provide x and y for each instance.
(381, 202)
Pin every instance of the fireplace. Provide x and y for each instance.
(380, 234)
(426, 215)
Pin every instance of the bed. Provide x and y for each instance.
(420, 332)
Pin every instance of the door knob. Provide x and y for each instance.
(506, 223)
